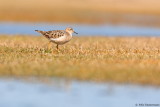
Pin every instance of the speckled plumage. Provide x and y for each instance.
(58, 37)
(53, 34)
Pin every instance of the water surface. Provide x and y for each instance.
(62, 93)
(85, 30)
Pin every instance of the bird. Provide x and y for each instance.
(58, 37)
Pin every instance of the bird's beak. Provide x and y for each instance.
(75, 32)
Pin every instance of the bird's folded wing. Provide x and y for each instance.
(54, 34)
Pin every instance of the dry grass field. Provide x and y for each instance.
(116, 59)
(79, 11)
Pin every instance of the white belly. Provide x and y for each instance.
(61, 40)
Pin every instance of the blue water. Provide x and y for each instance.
(61, 93)
(85, 30)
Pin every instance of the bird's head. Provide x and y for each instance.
(70, 30)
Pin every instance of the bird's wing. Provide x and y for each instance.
(54, 34)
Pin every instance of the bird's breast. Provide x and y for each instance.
(62, 40)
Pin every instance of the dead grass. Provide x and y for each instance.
(116, 59)
(79, 11)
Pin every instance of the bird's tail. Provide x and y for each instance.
(39, 31)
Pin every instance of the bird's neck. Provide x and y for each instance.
(70, 33)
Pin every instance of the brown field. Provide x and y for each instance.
(79, 11)
(102, 59)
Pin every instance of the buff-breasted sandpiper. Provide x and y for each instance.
(58, 37)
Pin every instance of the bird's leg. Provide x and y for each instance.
(57, 47)
(49, 45)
